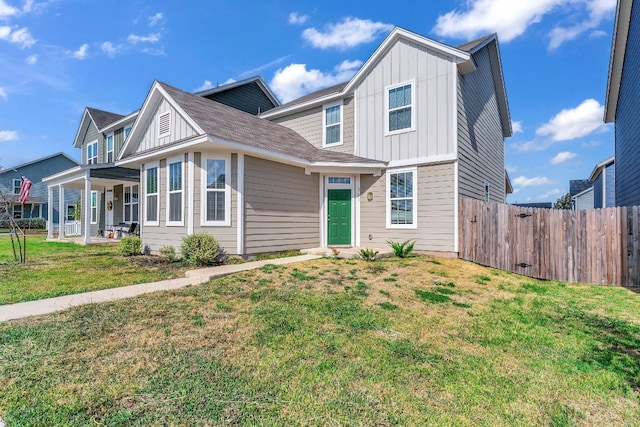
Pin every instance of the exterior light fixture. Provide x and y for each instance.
(369, 196)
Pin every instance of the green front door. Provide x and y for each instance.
(339, 219)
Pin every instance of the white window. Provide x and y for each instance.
(92, 153)
(401, 198)
(17, 211)
(164, 124)
(332, 124)
(94, 207)
(127, 131)
(175, 193)
(340, 180)
(71, 212)
(399, 108)
(16, 186)
(215, 209)
(110, 148)
(131, 204)
(152, 196)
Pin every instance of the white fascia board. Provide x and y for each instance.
(315, 102)
(598, 168)
(115, 125)
(63, 175)
(171, 149)
(616, 61)
(76, 141)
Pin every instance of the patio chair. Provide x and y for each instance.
(132, 229)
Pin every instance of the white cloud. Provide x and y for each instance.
(3, 93)
(550, 193)
(563, 157)
(516, 127)
(511, 168)
(591, 144)
(21, 36)
(151, 38)
(523, 181)
(527, 146)
(349, 33)
(205, 86)
(597, 34)
(295, 18)
(110, 49)
(32, 59)
(295, 80)
(7, 10)
(81, 53)
(575, 122)
(155, 19)
(8, 135)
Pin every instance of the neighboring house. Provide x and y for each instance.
(622, 100)
(581, 193)
(537, 205)
(604, 185)
(36, 205)
(384, 156)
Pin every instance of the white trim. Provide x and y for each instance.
(616, 60)
(414, 224)
(119, 123)
(113, 144)
(131, 203)
(66, 212)
(357, 210)
(419, 161)
(456, 203)
(227, 190)
(356, 121)
(240, 203)
(92, 207)
(95, 152)
(454, 109)
(50, 213)
(19, 181)
(322, 211)
(61, 218)
(172, 161)
(148, 166)
(340, 123)
(351, 188)
(412, 84)
(190, 191)
(161, 118)
(124, 132)
(87, 207)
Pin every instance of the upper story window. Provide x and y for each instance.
(175, 192)
(16, 186)
(92, 153)
(399, 105)
(127, 131)
(94, 207)
(164, 124)
(216, 191)
(152, 197)
(110, 148)
(332, 124)
(401, 199)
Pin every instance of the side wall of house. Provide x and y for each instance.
(436, 210)
(90, 136)
(585, 201)
(627, 124)
(481, 141)
(281, 207)
(610, 184)
(598, 191)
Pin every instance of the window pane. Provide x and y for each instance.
(215, 174)
(134, 194)
(215, 206)
(127, 194)
(152, 208)
(400, 119)
(127, 131)
(175, 207)
(134, 213)
(175, 176)
(402, 212)
(127, 213)
(333, 115)
(333, 134)
(339, 180)
(152, 180)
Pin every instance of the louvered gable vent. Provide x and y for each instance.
(164, 124)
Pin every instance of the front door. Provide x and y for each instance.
(339, 217)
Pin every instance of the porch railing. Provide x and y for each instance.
(72, 228)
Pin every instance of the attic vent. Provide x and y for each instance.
(164, 124)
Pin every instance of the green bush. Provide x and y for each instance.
(201, 249)
(168, 253)
(235, 259)
(129, 246)
(26, 223)
(402, 250)
(368, 254)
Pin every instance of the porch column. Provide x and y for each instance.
(61, 215)
(50, 214)
(240, 204)
(190, 191)
(87, 208)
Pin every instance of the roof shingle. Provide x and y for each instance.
(103, 118)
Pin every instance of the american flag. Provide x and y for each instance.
(25, 186)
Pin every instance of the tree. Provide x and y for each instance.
(563, 202)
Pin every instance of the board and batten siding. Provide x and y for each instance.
(481, 141)
(309, 125)
(89, 137)
(281, 207)
(433, 95)
(436, 211)
(179, 129)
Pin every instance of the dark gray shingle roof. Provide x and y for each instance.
(577, 186)
(103, 118)
(471, 45)
(227, 123)
(313, 95)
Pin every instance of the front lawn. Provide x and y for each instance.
(62, 268)
(420, 341)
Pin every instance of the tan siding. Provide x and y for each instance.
(180, 129)
(281, 207)
(436, 211)
(433, 98)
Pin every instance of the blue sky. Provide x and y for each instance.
(58, 56)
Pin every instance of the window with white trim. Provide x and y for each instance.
(332, 124)
(401, 198)
(71, 212)
(16, 186)
(94, 207)
(164, 124)
(152, 196)
(399, 108)
(127, 131)
(216, 191)
(17, 211)
(92, 153)
(175, 191)
(131, 203)
(339, 180)
(110, 148)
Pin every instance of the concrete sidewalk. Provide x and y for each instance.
(193, 277)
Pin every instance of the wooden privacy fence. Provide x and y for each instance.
(590, 246)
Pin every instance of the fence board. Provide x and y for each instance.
(591, 246)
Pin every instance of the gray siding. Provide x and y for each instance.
(90, 136)
(627, 122)
(436, 211)
(480, 138)
(180, 129)
(281, 207)
(610, 186)
(248, 98)
(584, 201)
(433, 103)
(598, 191)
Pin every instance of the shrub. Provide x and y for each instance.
(235, 259)
(129, 246)
(26, 223)
(368, 254)
(168, 253)
(200, 249)
(402, 250)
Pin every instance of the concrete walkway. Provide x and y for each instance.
(193, 277)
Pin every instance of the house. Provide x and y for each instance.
(537, 205)
(622, 99)
(581, 194)
(604, 185)
(37, 205)
(384, 156)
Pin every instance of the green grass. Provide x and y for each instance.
(272, 347)
(62, 268)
